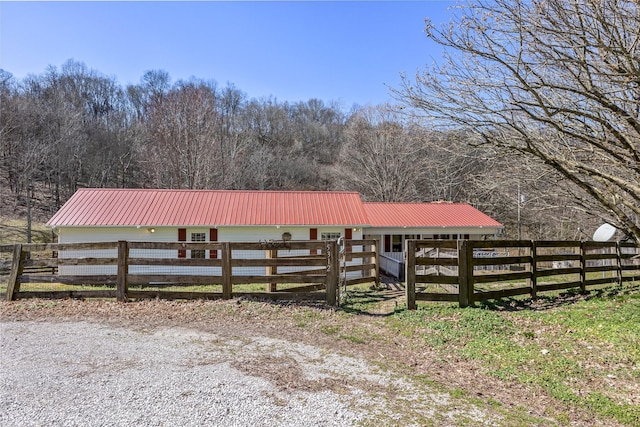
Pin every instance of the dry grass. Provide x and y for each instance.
(15, 231)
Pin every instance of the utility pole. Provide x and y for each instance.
(29, 195)
(519, 202)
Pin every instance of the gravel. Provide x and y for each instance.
(89, 374)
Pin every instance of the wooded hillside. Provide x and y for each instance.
(72, 127)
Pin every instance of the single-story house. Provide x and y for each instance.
(162, 215)
(391, 224)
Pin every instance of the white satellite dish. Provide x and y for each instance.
(604, 233)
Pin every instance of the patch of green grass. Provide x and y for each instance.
(42, 287)
(568, 350)
(614, 320)
(458, 393)
(306, 318)
(330, 329)
(560, 278)
(353, 338)
(177, 288)
(604, 405)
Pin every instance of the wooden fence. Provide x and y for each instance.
(132, 270)
(467, 271)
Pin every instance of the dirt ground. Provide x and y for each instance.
(306, 324)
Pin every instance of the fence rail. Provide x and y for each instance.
(482, 270)
(288, 270)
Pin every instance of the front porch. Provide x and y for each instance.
(392, 249)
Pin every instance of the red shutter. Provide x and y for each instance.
(348, 235)
(213, 237)
(182, 237)
(313, 235)
(387, 243)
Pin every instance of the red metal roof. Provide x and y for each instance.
(132, 207)
(127, 207)
(426, 215)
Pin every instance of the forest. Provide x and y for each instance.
(73, 126)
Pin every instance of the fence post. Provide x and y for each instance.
(333, 271)
(122, 281)
(583, 268)
(465, 273)
(619, 263)
(410, 274)
(533, 269)
(376, 260)
(226, 271)
(17, 265)
(272, 270)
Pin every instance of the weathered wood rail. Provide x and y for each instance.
(486, 270)
(290, 270)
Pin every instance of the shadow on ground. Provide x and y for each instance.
(547, 302)
(381, 301)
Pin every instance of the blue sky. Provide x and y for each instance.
(292, 51)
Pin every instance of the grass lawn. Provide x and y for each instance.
(584, 351)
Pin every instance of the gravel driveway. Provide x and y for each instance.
(91, 374)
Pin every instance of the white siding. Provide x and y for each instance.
(170, 234)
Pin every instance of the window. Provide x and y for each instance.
(329, 236)
(198, 237)
(396, 243)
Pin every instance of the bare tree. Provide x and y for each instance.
(230, 108)
(183, 143)
(382, 158)
(274, 158)
(22, 151)
(319, 129)
(154, 85)
(557, 80)
(61, 116)
(453, 166)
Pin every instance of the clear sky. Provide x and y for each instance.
(292, 51)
